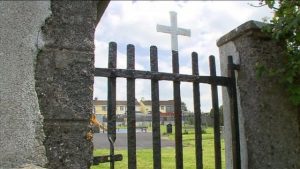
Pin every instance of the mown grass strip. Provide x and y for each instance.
(144, 156)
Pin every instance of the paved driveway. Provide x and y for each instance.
(144, 140)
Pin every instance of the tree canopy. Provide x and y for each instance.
(285, 27)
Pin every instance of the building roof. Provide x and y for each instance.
(162, 102)
(118, 102)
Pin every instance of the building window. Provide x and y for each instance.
(103, 108)
(122, 108)
(169, 109)
(162, 107)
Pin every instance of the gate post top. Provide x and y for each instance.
(265, 115)
(249, 26)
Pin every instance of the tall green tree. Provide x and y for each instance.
(285, 27)
(183, 106)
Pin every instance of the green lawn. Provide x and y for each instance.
(144, 156)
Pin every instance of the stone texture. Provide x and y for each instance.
(64, 82)
(46, 69)
(66, 144)
(269, 123)
(21, 124)
(71, 26)
(30, 166)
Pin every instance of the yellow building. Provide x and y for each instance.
(100, 107)
(164, 105)
(143, 106)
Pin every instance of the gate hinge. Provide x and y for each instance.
(107, 158)
(236, 66)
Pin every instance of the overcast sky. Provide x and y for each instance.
(127, 22)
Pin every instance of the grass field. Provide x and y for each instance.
(144, 156)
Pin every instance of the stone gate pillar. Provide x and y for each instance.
(46, 82)
(64, 77)
(269, 124)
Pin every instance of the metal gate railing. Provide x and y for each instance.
(131, 74)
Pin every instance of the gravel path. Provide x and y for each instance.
(144, 140)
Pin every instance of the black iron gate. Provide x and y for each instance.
(131, 74)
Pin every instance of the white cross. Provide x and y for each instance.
(173, 30)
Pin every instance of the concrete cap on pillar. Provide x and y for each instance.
(242, 29)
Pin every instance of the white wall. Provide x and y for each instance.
(21, 132)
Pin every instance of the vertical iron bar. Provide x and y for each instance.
(155, 111)
(197, 110)
(111, 98)
(215, 103)
(131, 134)
(234, 116)
(178, 113)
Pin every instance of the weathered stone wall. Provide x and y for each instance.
(269, 124)
(46, 70)
(64, 82)
(21, 130)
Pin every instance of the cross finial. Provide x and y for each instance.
(173, 30)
